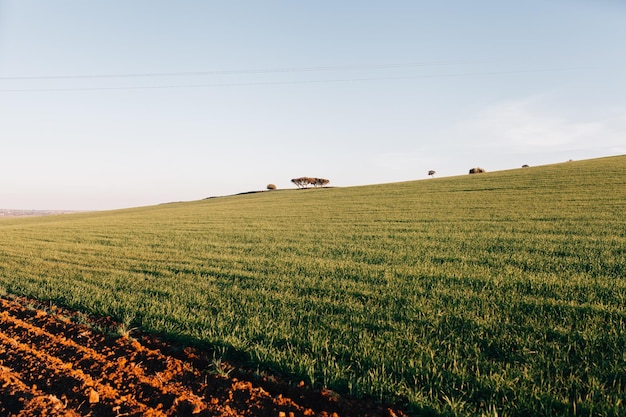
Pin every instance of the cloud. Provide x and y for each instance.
(533, 126)
(504, 135)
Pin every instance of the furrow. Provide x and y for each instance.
(123, 368)
(40, 369)
(17, 399)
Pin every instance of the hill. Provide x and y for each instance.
(499, 293)
(4, 213)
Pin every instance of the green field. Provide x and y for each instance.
(492, 294)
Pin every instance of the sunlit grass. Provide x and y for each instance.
(500, 293)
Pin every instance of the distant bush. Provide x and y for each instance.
(477, 170)
(271, 186)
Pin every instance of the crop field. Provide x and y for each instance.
(492, 294)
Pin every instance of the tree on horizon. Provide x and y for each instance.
(304, 182)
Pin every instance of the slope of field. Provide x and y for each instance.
(500, 293)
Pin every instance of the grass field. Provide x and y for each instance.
(493, 294)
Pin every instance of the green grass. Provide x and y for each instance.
(493, 294)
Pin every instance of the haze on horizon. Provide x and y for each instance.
(115, 104)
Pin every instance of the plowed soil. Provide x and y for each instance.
(51, 366)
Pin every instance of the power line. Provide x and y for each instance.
(244, 71)
(267, 83)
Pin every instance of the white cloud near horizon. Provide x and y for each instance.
(532, 125)
(507, 134)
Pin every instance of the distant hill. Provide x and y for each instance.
(31, 213)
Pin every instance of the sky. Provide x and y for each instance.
(114, 104)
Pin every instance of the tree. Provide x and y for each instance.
(431, 173)
(322, 182)
(300, 183)
(271, 186)
(304, 182)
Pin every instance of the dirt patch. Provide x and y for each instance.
(51, 366)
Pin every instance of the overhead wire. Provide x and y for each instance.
(267, 83)
(243, 71)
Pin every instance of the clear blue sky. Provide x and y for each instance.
(116, 104)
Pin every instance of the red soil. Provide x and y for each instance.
(50, 366)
